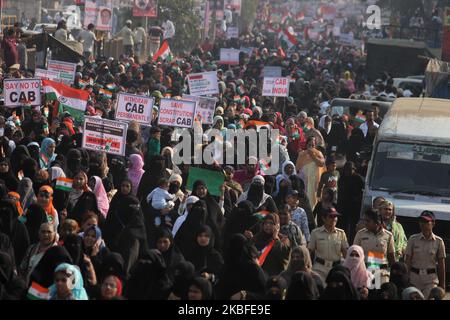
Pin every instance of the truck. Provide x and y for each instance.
(410, 164)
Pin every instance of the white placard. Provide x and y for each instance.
(276, 87)
(22, 92)
(203, 83)
(105, 135)
(133, 107)
(176, 113)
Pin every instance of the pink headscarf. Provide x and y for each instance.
(135, 171)
(102, 197)
(359, 274)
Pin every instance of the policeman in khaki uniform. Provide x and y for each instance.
(426, 251)
(327, 244)
(378, 245)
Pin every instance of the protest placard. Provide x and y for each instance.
(66, 70)
(275, 87)
(203, 83)
(232, 32)
(46, 74)
(22, 92)
(104, 135)
(176, 113)
(213, 179)
(229, 56)
(274, 72)
(346, 39)
(133, 107)
(204, 108)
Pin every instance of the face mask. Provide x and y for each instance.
(173, 188)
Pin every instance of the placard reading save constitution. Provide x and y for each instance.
(176, 113)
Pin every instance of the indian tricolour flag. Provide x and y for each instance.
(105, 93)
(38, 292)
(163, 52)
(64, 184)
(287, 39)
(72, 100)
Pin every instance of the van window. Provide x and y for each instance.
(411, 168)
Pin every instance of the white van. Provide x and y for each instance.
(410, 165)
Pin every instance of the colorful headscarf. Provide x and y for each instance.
(45, 158)
(78, 291)
(102, 197)
(359, 275)
(17, 202)
(52, 214)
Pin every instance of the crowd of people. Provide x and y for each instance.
(129, 227)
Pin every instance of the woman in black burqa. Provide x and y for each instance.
(185, 237)
(215, 216)
(14, 229)
(11, 286)
(148, 278)
(170, 252)
(241, 271)
(205, 258)
(124, 231)
(34, 217)
(241, 218)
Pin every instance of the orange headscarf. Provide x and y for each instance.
(17, 202)
(49, 209)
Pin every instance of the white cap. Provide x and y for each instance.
(192, 200)
(128, 22)
(259, 179)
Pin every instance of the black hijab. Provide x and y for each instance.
(34, 150)
(114, 265)
(73, 162)
(204, 286)
(30, 168)
(35, 216)
(149, 279)
(388, 291)
(185, 237)
(149, 181)
(240, 271)
(86, 202)
(214, 216)
(8, 177)
(19, 154)
(184, 272)
(172, 256)
(11, 287)
(399, 276)
(344, 291)
(205, 259)
(73, 245)
(241, 218)
(14, 229)
(302, 287)
(43, 273)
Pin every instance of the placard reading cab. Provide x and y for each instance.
(46, 74)
(20, 92)
(133, 107)
(204, 108)
(176, 113)
(275, 87)
(66, 70)
(229, 56)
(203, 83)
(105, 135)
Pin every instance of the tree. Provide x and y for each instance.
(186, 21)
(248, 14)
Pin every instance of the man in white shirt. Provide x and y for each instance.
(369, 123)
(88, 38)
(139, 36)
(128, 38)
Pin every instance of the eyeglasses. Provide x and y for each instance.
(110, 285)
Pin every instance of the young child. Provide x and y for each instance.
(299, 216)
(329, 178)
(289, 228)
(160, 199)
